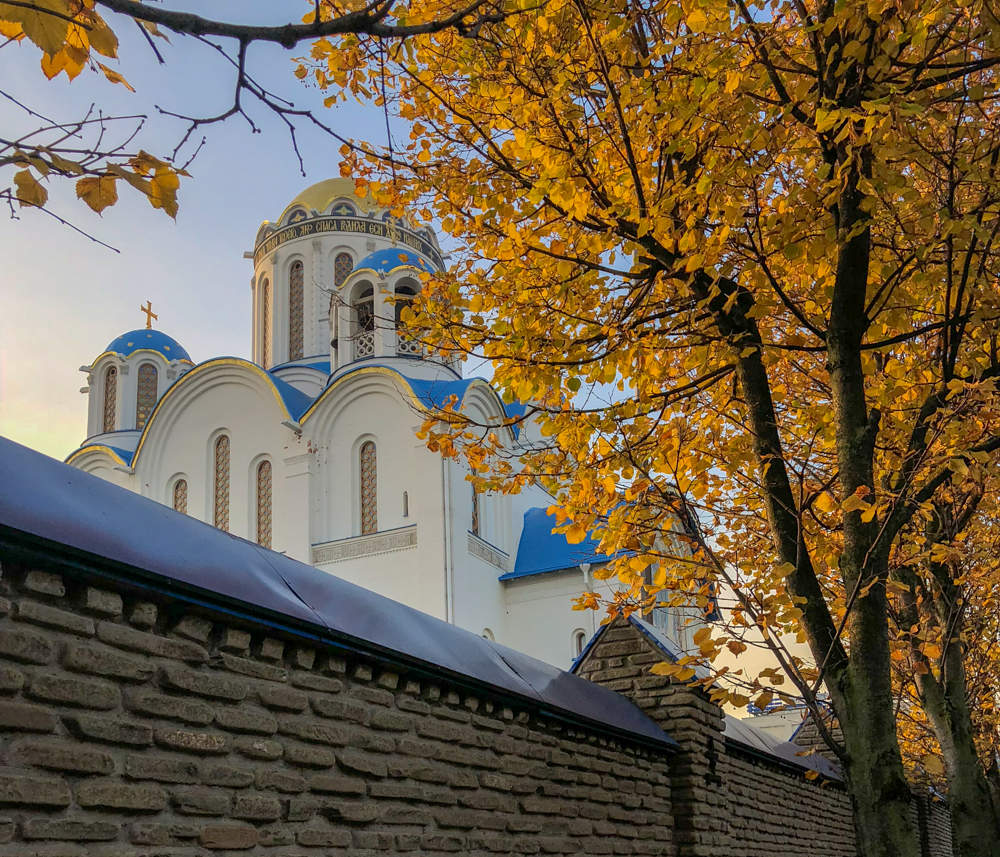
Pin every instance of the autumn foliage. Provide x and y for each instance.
(741, 260)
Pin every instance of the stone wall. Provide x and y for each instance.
(130, 726)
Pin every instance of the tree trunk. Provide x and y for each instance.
(974, 822)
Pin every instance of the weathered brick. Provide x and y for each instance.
(390, 721)
(72, 829)
(252, 668)
(112, 794)
(236, 837)
(246, 719)
(314, 681)
(309, 757)
(149, 644)
(11, 680)
(341, 708)
(60, 755)
(336, 784)
(26, 789)
(303, 657)
(309, 730)
(153, 704)
(17, 717)
(282, 698)
(163, 833)
(258, 748)
(103, 602)
(411, 791)
(53, 617)
(235, 640)
(98, 660)
(202, 743)
(194, 628)
(25, 646)
(142, 615)
(256, 807)
(271, 649)
(163, 769)
(356, 762)
(324, 837)
(6, 830)
(85, 693)
(203, 684)
(282, 781)
(226, 775)
(199, 801)
(110, 730)
(45, 583)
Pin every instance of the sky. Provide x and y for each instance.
(63, 297)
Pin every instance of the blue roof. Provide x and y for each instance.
(319, 365)
(153, 340)
(75, 515)
(389, 259)
(295, 400)
(540, 550)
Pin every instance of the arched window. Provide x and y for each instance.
(343, 264)
(579, 641)
(405, 345)
(110, 397)
(265, 323)
(475, 511)
(364, 316)
(181, 496)
(145, 396)
(264, 504)
(222, 482)
(369, 488)
(295, 311)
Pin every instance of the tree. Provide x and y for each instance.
(741, 259)
(98, 151)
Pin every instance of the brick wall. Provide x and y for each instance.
(131, 727)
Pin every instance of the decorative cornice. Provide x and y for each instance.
(389, 541)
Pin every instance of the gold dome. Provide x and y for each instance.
(319, 196)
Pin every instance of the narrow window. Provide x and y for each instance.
(364, 314)
(369, 489)
(406, 505)
(145, 397)
(181, 496)
(222, 482)
(406, 346)
(295, 312)
(342, 267)
(264, 504)
(579, 641)
(265, 326)
(475, 511)
(110, 397)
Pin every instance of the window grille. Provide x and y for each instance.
(181, 496)
(264, 504)
(369, 489)
(110, 397)
(222, 482)
(145, 397)
(295, 312)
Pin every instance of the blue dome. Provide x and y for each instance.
(151, 340)
(391, 258)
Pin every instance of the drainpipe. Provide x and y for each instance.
(449, 607)
(588, 586)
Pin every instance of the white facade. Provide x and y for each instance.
(329, 376)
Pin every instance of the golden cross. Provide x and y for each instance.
(150, 315)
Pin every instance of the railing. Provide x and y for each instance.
(406, 347)
(364, 344)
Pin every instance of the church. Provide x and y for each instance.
(310, 448)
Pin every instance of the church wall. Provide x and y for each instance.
(373, 408)
(132, 725)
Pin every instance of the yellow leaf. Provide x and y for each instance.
(853, 503)
(115, 77)
(576, 534)
(786, 569)
(811, 774)
(664, 668)
(44, 22)
(97, 191)
(102, 38)
(825, 503)
(29, 191)
(933, 765)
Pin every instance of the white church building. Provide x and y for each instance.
(310, 447)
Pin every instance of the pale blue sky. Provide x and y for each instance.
(63, 298)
